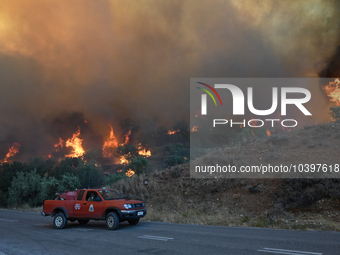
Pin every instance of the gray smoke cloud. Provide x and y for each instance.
(110, 60)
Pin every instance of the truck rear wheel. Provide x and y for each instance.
(112, 221)
(83, 222)
(59, 221)
(133, 222)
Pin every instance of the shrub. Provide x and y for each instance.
(69, 182)
(112, 178)
(335, 112)
(3, 199)
(129, 151)
(295, 193)
(8, 172)
(173, 160)
(139, 165)
(25, 188)
(176, 154)
(50, 185)
(91, 175)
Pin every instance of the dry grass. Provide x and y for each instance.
(26, 208)
(172, 196)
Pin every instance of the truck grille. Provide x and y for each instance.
(137, 205)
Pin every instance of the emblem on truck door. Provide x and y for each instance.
(91, 209)
(77, 207)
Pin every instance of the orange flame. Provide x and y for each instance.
(332, 90)
(11, 152)
(194, 129)
(127, 137)
(123, 160)
(143, 151)
(268, 132)
(59, 145)
(48, 156)
(171, 132)
(110, 145)
(129, 173)
(76, 143)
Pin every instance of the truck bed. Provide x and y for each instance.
(67, 205)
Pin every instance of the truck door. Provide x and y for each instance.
(88, 206)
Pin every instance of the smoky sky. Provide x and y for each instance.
(110, 60)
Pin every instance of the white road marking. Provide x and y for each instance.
(288, 252)
(7, 220)
(159, 238)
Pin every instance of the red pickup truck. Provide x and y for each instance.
(94, 204)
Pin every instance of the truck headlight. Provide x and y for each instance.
(127, 206)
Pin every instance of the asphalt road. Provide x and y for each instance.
(30, 233)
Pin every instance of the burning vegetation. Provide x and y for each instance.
(172, 132)
(110, 145)
(120, 145)
(332, 91)
(76, 144)
(12, 151)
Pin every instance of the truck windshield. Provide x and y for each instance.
(108, 194)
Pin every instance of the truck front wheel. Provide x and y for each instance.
(112, 221)
(59, 221)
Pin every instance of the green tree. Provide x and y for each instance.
(176, 154)
(129, 151)
(91, 155)
(8, 172)
(91, 174)
(25, 188)
(67, 165)
(139, 165)
(174, 160)
(69, 182)
(50, 185)
(41, 165)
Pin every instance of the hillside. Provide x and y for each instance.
(172, 196)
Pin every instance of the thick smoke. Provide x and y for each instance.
(332, 70)
(111, 60)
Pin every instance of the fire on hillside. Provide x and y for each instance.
(73, 148)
